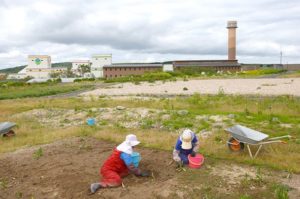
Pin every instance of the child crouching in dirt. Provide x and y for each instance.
(187, 143)
(119, 165)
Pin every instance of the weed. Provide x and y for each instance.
(147, 124)
(281, 191)
(247, 112)
(218, 139)
(258, 178)
(103, 122)
(3, 183)
(38, 154)
(19, 194)
(246, 196)
(185, 88)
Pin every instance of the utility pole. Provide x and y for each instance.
(280, 57)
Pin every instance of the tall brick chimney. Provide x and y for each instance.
(231, 26)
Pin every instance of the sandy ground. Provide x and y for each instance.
(67, 167)
(274, 86)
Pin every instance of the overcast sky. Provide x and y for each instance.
(152, 30)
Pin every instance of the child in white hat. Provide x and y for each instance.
(186, 144)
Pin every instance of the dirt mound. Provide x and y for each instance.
(66, 168)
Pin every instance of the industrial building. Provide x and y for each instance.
(97, 63)
(119, 70)
(232, 65)
(39, 67)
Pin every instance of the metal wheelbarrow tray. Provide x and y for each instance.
(241, 135)
(6, 129)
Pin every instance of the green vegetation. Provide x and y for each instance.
(150, 77)
(12, 90)
(266, 114)
(187, 72)
(38, 153)
(12, 70)
(3, 183)
(262, 72)
(281, 191)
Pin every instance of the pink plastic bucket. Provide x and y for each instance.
(196, 162)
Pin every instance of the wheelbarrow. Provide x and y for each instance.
(6, 129)
(241, 136)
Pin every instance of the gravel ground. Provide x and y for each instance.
(275, 86)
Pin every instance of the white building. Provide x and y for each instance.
(76, 66)
(39, 66)
(97, 63)
(168, 67)
(20, 75)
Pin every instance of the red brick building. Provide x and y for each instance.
(215, 65)
(119, 70)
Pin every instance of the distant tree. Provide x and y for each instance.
(69, 73)
(83, 68)
(54, 75)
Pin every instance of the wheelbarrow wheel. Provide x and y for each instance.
(235, 145)
(10, 133)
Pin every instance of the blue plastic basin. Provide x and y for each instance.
(90, 121)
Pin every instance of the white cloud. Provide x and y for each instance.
(155, 30)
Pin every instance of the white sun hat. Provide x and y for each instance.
(127, 145)
(186, 139)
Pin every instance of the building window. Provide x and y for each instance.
(134, 68)
(116, 75)
(125, 69)
(110, 69)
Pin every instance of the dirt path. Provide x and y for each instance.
(79, 92)
(267, 86)
(67, 167)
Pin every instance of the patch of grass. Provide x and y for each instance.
(281, 191)
(19, 194)
(278, 156)
(38, 153)
(246, 196)
(37, 90)
(147, 123)
(262, 72)
(3, 183)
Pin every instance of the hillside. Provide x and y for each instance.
(19, 68)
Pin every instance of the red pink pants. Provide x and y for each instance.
(111, 178)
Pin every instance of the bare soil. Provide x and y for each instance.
(66, 168)
(272, 87)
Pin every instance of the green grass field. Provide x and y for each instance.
(267, 114)
(22, 90)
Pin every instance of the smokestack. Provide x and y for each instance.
(231, 26)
